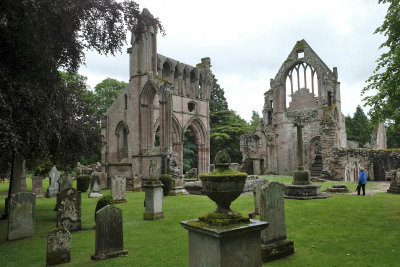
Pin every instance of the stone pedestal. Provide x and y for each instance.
(178, 188)
(303, 188)
(153, 200)
(235, 246)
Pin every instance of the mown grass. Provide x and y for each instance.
(338, 231)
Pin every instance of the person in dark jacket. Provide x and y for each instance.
(362, 180)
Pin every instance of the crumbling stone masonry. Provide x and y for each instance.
(165, 96)
(303, 87)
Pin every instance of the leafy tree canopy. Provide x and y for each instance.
(358, 127)
(41, 110)
(106, 92)
(386, 78)
(255, 120)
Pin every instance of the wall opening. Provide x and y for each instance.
(122, 142)
(190, 151)
(126, 101)
(166, 71)
(301, 76)
(191, 106)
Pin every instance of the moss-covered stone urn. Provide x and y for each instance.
(223, 185)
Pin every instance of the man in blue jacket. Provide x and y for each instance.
(362, 180)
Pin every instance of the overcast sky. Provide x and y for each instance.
(248, 41)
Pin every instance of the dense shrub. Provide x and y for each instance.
(102, 202)
(82, 183)
(166, 179)
(222, 157)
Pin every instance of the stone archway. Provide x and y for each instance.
(203, 148)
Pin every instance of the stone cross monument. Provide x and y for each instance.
(299, 124)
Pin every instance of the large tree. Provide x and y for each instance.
(385, 81)
(106, 92)
(39, 113)
(226, 126)
(358, 127)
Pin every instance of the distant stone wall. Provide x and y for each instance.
(345, 163)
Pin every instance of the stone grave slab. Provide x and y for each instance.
(37, 186)
(21, 217)
(69, 210)
(58, 246)
(109, 233)
(118, 189)
(95, 188)
(54, 175)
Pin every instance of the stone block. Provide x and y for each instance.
(301, 178)
(153, 200)
(103, 180)
(109, 233)
(277, 250)
(230, 247)
(69, 209)
(21, 215)
(58, 247)
(66, 180)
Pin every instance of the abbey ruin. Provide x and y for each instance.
(163, 96)
(306, 88)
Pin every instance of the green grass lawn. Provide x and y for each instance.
(341, 230)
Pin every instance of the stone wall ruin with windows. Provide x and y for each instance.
(145, 125)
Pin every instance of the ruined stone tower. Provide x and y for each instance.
(165, 96)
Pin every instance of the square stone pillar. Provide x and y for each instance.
(153, 200)
(230, 247)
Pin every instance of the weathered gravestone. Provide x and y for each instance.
(109, 233)
(395, 183)
(21, 216)
(257, 198)
(118, 189)
(103, 180)
(274, 244)
(95, 189)
(37, 186)
(58, 246)
(66, 180)
(137, 183)
(69, 209)
(54, 175)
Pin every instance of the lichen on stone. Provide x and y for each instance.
(220, 219)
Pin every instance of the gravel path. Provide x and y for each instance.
(377, 188)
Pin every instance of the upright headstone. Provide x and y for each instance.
(395, 183)
(137, 183)
(23, 177)
(21, 217)
(37, 186)
(103, 180)
(95, 189)
(58, 246)
(257, 198)
(69, 209)
(66, 180)
(109, 233)
(274, 244)
(54, 175)
(118, 189)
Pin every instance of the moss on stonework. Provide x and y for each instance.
(220, 219)
(223, 173)
(327, 110)
(300, 45)
(161, 79)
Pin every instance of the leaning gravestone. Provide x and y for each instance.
(69, 209)
(21, 217)
(274, 244)
(58, 246)
(37, 186)
(118, 189)
(109, 233)
(54, 175)
(95, 189)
